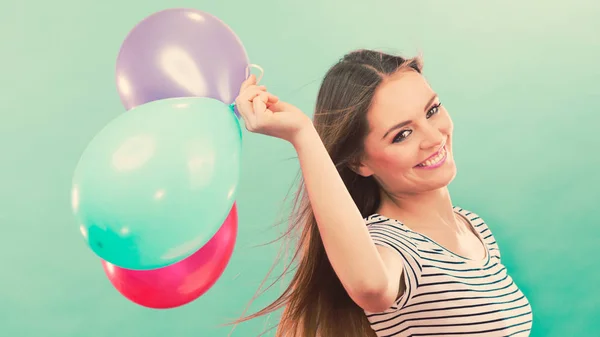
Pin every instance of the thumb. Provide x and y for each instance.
(263, 101)
(279, 106)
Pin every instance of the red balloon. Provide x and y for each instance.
(182, 282)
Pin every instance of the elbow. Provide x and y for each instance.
(373, 296)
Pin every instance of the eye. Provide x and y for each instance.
(401, 136)
(434, 110)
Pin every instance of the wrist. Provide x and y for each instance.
(304, 135)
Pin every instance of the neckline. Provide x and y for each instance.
(483, 261)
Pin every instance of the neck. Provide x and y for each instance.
(423, 209)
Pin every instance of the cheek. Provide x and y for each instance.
(397, 159)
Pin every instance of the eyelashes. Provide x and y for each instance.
(435, 109)
(400, 136)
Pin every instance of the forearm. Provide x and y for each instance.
(349, 247)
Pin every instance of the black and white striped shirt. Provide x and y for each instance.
(447, 294)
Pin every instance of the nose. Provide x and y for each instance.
(433, 138)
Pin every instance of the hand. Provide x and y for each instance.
(264, 113)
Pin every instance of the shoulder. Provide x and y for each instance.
(392, 233)
(381, 224)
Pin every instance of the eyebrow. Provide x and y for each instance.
(404, 123)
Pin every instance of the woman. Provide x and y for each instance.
(382, 249)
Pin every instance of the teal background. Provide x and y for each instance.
(519, 78)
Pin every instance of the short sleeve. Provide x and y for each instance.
(389, 233)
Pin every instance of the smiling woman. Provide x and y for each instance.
(380, 149)
(401, 157)
(382, 249)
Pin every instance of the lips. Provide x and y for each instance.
(435, 158)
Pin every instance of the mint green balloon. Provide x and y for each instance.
(158, 181)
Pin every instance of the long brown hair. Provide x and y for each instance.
(316, 304)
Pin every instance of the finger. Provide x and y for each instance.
(245, 109)
(244, 100)
(259, 103)
(248, 82)
(244, 103)
(272, 99)
(251, 93)
(278, 106)
(268, 98)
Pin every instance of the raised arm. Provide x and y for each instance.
(370, 274)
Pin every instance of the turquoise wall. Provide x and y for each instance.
(519, 78)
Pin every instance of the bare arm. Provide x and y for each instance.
(369, 273)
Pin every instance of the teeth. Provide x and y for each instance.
(435, 159)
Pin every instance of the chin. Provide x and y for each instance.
(440, 177)
(448, 177)
(441, 181)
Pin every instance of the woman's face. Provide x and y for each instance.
(409, 145)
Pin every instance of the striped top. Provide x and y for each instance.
(447, 294)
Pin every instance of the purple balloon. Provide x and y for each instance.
(180, 53)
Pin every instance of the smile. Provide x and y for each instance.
(436, 160)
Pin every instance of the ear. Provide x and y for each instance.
(361, 169)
